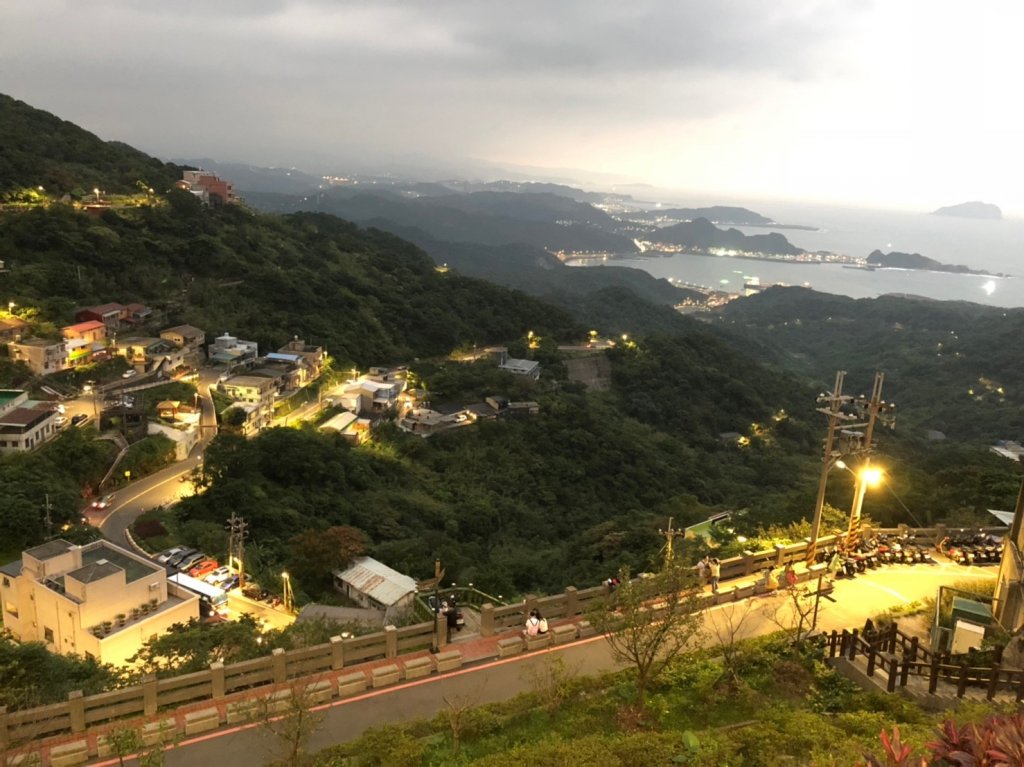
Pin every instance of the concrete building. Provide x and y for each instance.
(228, 349)
(375, 585)
(90, 330)
(12, 329)
(24, 424)
(207, 186)
(259, 391)
(312, 357)
(349, 425)
(528, 368)
(150, 353)
(98, 600)
(185, 336)
(1008, 600)
(41, 355)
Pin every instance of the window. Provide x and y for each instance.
(48, 635)
(6, 581)
(11, 608)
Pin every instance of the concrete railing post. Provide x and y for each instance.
(337, 653)
(217, 679)
(780, 554)
(749, 565)
(149, 694)
(279, 664)
(571, 602)
(441, 630)
(4, 739)
(486, 619)
(76, 708)
(390, 642)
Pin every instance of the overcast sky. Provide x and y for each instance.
(886, 104)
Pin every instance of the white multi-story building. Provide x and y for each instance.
(97, 600)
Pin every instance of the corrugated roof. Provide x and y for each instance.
(377, 580)
(340, 422)
(12, 569)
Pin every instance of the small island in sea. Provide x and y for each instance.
(896, 260)
(984, 210)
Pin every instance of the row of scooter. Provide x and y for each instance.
(872, 553)
(967, 549)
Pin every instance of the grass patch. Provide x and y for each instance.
(788, 709)
(979, 589)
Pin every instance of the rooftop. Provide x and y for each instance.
(103, 308)
(134, 569)
(12, 569)
(377, 580)
(50, 549)
(94, 571)
(9, 395)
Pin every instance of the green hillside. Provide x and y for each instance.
(366, 295)
(38, 149)
(950, 366)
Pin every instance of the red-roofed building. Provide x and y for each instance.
(90, 330)
(111, 315)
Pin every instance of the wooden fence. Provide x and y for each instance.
(898, 656)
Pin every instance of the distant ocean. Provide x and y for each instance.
(992, 246)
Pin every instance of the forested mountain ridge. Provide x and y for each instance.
(38, 149)
(366, 295)
(951, 366)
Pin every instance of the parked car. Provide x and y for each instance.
(190, 561)
(205, 567)
(163, 556)
(219, 576)
(60, 421)
(104, 502)
(230, 583)
(128, 373)
(77, 419)
(175, 559)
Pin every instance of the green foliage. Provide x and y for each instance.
(61, 471)
(31, 675)
(194, 646)
(43, 150)
(147, 455)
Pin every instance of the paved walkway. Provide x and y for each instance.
(485, 679)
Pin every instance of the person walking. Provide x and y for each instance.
(715, 572)
(702, 572)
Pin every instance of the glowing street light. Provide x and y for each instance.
(867, 476)
(96, 191)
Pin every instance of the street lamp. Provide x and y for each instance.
(867, 476)
(286, 583)
(96, 191)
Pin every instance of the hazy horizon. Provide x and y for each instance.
(874, 105)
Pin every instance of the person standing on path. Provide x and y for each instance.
(715, 570)
(702, 572)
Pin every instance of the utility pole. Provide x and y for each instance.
(853, 413)
(237, 532)
(670, 536)
(834, 401)
(48, 518)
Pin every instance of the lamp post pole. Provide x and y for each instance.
(832, 412)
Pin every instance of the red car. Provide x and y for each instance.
(205, 567)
